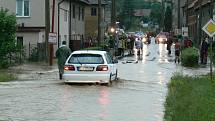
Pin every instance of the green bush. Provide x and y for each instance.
(8, 46)
(5, 76)
(190, 57)
(4, 64)
(190, 99)
(103, 46)
(34, 55)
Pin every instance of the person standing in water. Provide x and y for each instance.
(62, 54)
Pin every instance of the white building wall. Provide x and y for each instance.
(64, 25)
(30, 40)
(78, 26)
(8, 4)
(37, 19)
(37, 15)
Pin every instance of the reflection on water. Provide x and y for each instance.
(145, 52)
(162, 52)
(103, 102)
(66, 102)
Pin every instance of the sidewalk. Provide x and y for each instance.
(34, 71)
(111, 51)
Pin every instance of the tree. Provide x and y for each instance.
(8, 28)
(125, 9)
(168, 20)
(156, 13)
(125, 12)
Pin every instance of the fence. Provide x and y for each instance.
(76, 42)
(36, 52)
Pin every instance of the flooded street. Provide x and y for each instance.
(138, 95)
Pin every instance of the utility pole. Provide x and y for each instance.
(51, 48)
(163, 13)
(179, 16)
(113, 24)
(47, 29)
(211, 41)
(187, 13)
(99, 22)
(113, 13)
(200, 22)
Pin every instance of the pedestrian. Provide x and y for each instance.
(177, 50)
(138, 45)
(121, 46)
(188, 42)
(204, 51)
(169, 44)
(132, 38)
(62, 54)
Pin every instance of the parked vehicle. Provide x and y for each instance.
(90, 66)
(161, 38)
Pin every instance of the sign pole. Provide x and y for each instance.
(211, 57)
(209, 28)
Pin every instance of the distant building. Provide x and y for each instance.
(199, 13)
(67, 21)
(91, 19)
(179, 17)
(108, 10)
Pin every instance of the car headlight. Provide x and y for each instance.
(144, 39)
(160, 39)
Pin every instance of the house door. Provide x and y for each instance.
(19, 41)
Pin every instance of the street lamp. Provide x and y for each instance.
(112, 29)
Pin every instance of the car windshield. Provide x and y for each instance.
(86, 59)
(162, 36)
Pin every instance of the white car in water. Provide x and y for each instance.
(90, 66)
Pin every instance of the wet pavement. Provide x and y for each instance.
(138, 95)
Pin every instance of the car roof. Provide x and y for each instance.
(162, 35)
(89, 52)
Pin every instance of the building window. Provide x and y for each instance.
(79, 13)
(93, 12)
(73, 12)
(83, 14)
(65, 16)
(22, 8)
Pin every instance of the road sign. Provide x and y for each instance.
(184, 31)
(177, 32)
(53, 38)
(209, 28)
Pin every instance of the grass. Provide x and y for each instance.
(190, 99)
(5, 76)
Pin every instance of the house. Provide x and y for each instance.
(179, 17)
(199, 13)
(204, 12)
(194, 14)
(91, 20)
(108, 11)
(66, 20)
